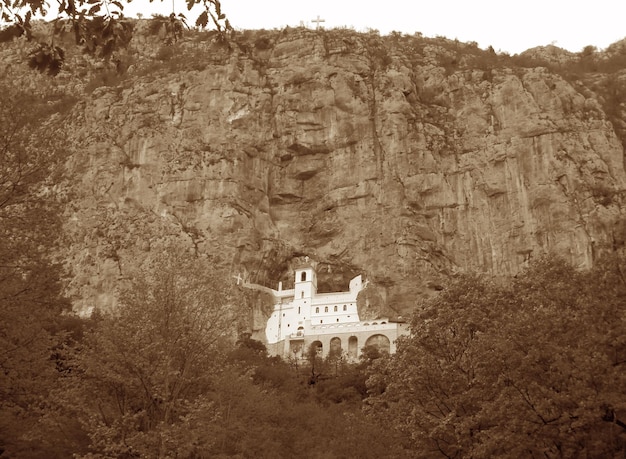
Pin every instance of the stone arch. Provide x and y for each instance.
(380, 341)
(318, 346)
(335, 345)
(296, 348)
(353, 346)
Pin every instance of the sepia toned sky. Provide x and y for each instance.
(510, 26)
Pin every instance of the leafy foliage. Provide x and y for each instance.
(524, 370)
(98, 26)
(30, 294)
(149, 382)
(153, 361)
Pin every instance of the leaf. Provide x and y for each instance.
(46, 58)
(9, 33)
(202, 20)
(93, 10)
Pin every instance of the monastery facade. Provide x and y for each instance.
(329, 321)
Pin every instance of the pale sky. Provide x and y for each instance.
(506, 25)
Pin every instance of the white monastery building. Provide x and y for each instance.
(330, 321)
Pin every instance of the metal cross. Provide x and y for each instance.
(318, 21)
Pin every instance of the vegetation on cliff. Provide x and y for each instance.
(98, 27)
(31, 300)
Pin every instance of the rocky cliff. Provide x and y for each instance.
(401, 158)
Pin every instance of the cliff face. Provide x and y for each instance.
(367, 155)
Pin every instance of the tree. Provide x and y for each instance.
(98, 26)
(31, 155)
(528, 369)
(140, 381)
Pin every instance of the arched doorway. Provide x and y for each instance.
(335, 346)
(380, 341)
(319, 348)
(353, 347)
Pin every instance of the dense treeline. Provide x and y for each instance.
(533, 368)
(530, 368)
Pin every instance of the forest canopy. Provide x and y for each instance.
(532, 368)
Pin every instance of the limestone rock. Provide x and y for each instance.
(372, 156)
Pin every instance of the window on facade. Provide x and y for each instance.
(317, 310)
(345, 308)
(302, 294)
(298, 309)
(335, 308)
(321, 321)
(325, 308)
(337, 319)
(303, 276)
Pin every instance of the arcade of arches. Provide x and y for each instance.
(336, 347)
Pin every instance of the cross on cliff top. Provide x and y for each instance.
(318, 21)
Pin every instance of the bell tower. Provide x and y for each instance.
(305, 283)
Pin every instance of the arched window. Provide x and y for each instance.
(335, 346)
(303, 276)
(345, 308)
(335, 308)
(302, 294)
(317, 310)
(325, 308)
(298, 309)
(353, 346)
(380, 341)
